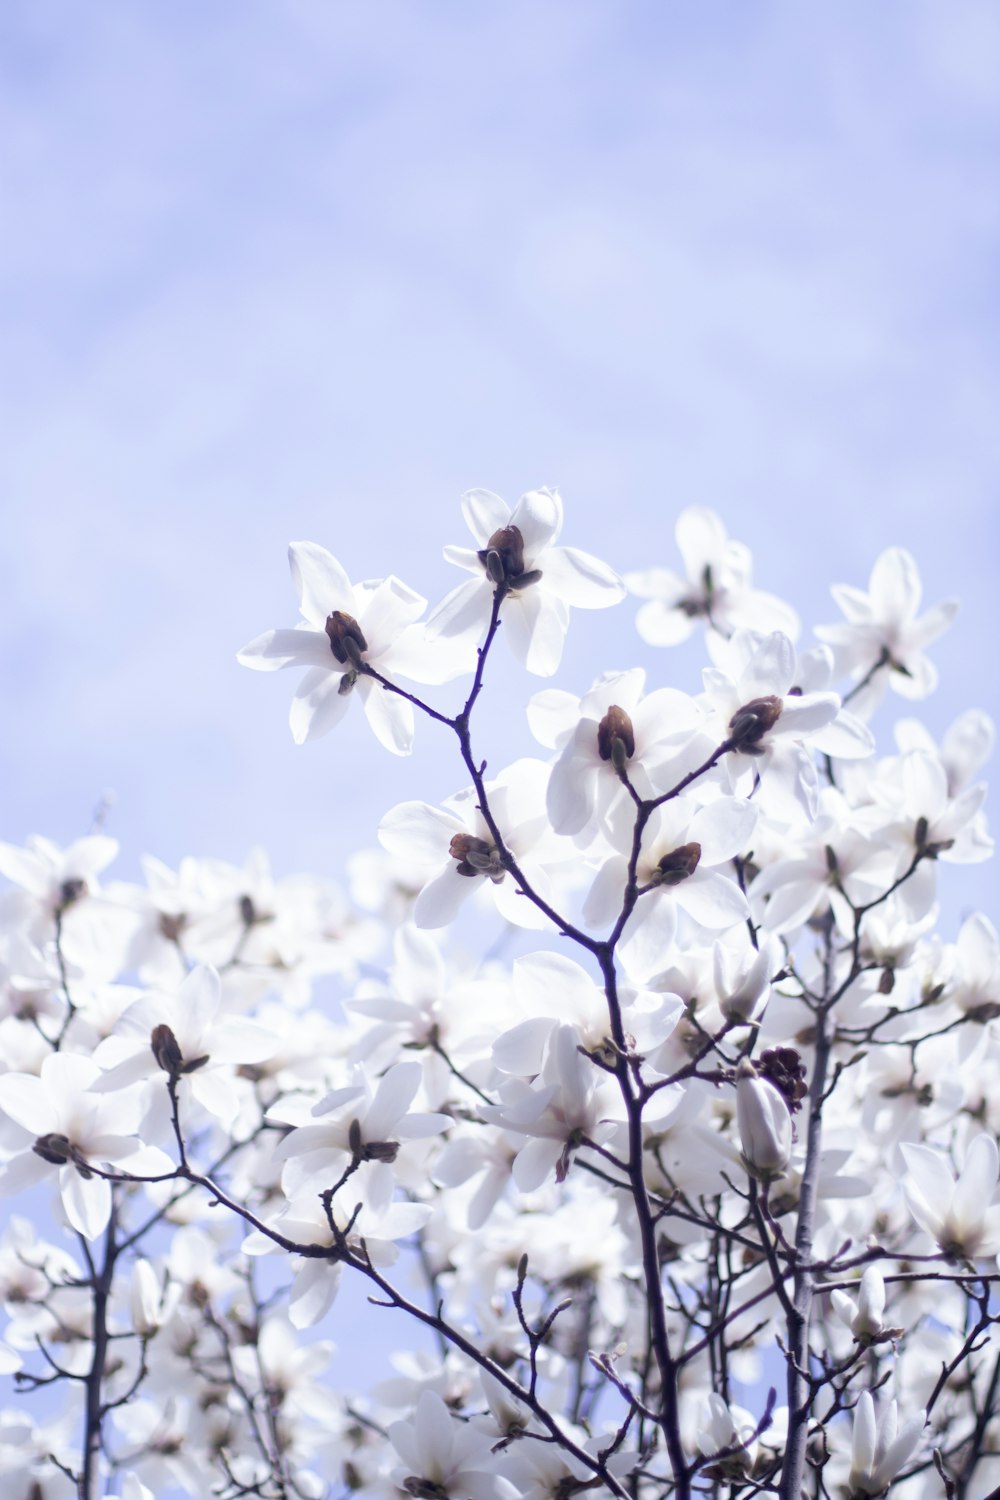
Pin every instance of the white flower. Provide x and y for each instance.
(728, 1427)
(882, 626)
(187, 1034)
(584, 782)
(445, 1457)
(516, 551)
(716, 587)
(75, 1130)
(768, 720)
(764, 1123)
(865, 1318)
(878, 1450)
(958, 1214)
(347, 627)
(680, 864)
(456, 854)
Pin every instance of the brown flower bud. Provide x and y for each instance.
(54, 1148)
(616, 725)
(476, 857)
(750, 723)
(678, 865)
(503, 555)
(70, 891)
(347, 641)
(166, 1050)
(784, 1068)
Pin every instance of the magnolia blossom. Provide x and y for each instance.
(77, 1131)
(764, 1123)
(442, 1456)
(879, 1449)
(731, 1433)
(864, 1317)
(516, 552)
(766, 721)
(685, 848)
(882, 629)
(610, 729)
(346, 629)
(959, 1214)
(716, 587)
(455, 847)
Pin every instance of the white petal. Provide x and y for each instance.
(538, 516)
(484, 514)
(465, 610)
(418, 832)
(440, 900)
(286, 648)
(581, 580)
(660, 624)
(87, 1202)
(770, 669)
(701, 540)
(712, 900)
(390, 716)
(318, 705)
(320, 582)
(535, 623)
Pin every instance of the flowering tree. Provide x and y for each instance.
(693, 1197)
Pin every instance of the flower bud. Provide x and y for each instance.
(347, 641)
(503, 555)
(144, 1299)
(764, 1122)
(166, 1050)
(867, 1323)
(476, 857)
(742, 984)
(750, 723)
(678, 865)
(616, 737)
(54, 1148)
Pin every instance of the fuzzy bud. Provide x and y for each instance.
(678, 865)
(750, 723)
(616, 737)
(347, 641)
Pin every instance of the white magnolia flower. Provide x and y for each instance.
(764, 1123)
(716, 587)
(584, 782)
(866, 1316)
(354, 1124)
(187, 1034)
(685, 848)
(878, 1449)
(882, 626)
(966, 747)
(959, 1214)
(455, 853)
(728, 1427)
(442, 1456)
(75, 1130)
(516, 551)
(345, 628)
(768, 719)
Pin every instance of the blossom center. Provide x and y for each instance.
(476, 857)
(503, 559)
(678, 865)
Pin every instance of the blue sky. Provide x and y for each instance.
(310, 270)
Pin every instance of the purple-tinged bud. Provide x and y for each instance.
(750, 723)
(678, 865)
(70, 891)
(347, 641)
(616, 737)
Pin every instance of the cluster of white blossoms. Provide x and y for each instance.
(693, 1192)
